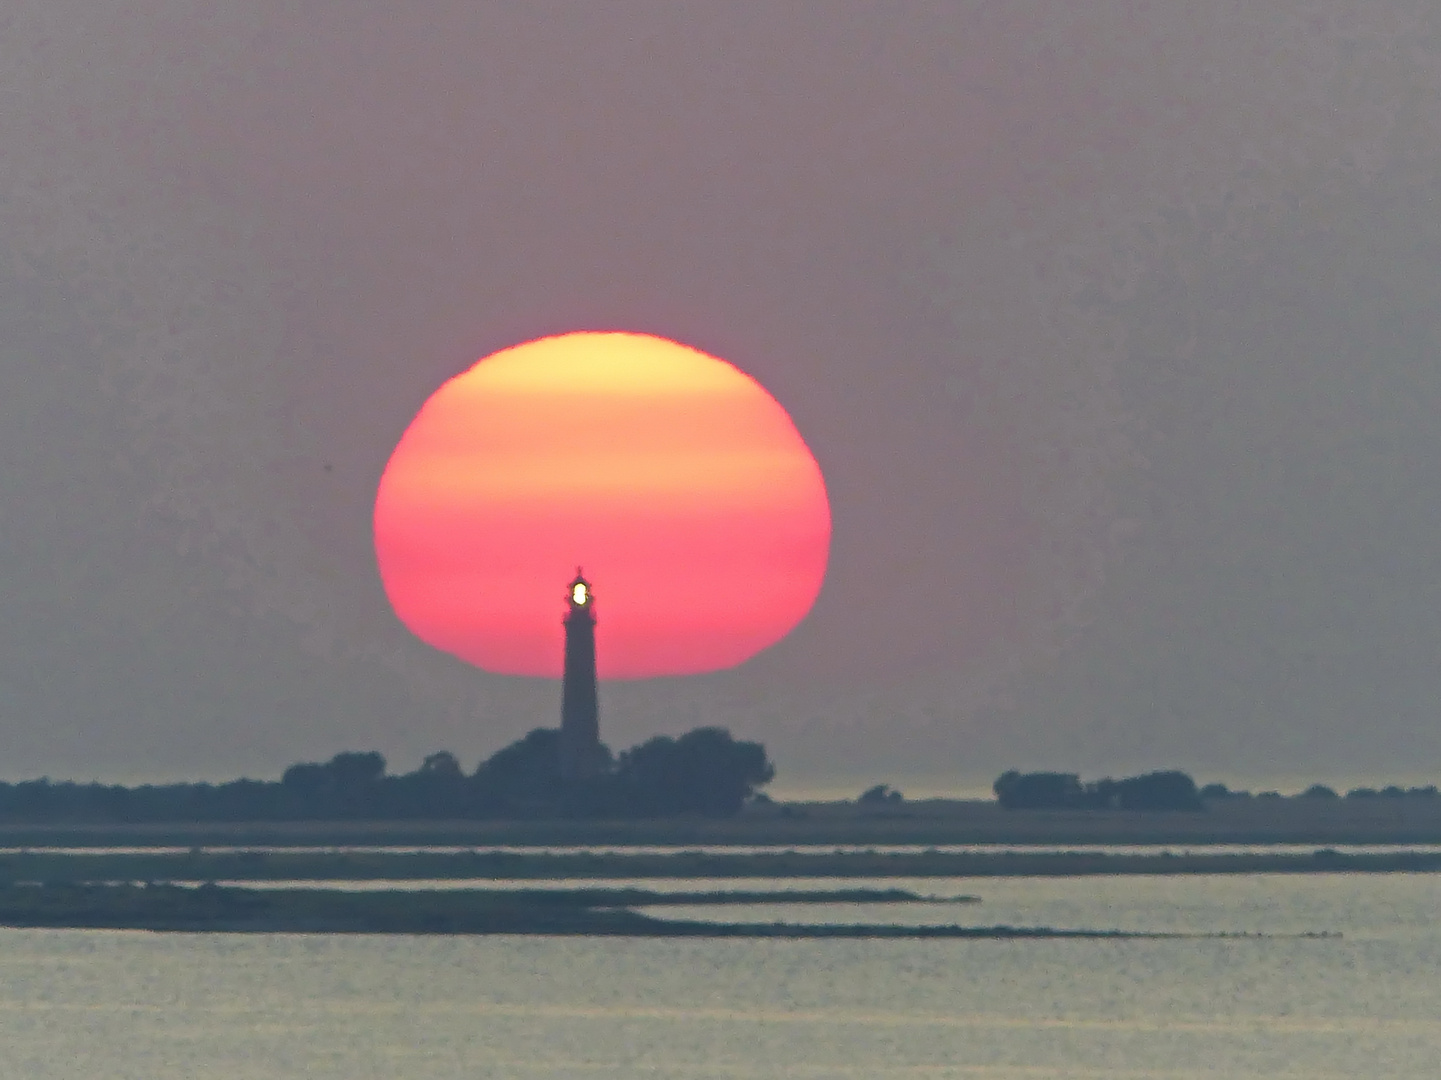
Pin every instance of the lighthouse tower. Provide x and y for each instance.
(581, 753)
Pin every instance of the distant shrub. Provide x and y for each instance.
(880, 795)
(704, 771)
(1394, 791)
(1168, 790)
(1319, 791)
(1016, 790)
(1165, 790)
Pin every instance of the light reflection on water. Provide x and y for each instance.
(160, 1007)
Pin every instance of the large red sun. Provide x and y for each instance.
(675, 480)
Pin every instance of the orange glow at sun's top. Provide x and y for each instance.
(679, 484)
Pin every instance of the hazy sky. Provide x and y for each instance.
(1114, 327)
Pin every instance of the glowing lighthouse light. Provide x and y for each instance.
(642, 458)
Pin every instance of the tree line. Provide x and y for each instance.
(1322, 791)
(703, 772)
(1165, 790)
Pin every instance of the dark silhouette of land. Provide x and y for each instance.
(921, 823)
(347, 819)
(700, 788)
(90, 866)
(1169, 790)
(704, 772)
(591, 913)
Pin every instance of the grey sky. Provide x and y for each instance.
(1113, 326)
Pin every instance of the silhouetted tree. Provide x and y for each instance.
(349, 785)
(305, 779)
(880, 795)
(524, 776)
(438, 789)
(1016, 790)
(1167, 790)
(353, 770)
(704, 771)
(442, 765)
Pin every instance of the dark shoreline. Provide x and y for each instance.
(55, 867)
(556, 913)
(928, 822)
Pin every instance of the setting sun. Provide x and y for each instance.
(677, 482)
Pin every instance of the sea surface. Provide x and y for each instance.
(104, 1004)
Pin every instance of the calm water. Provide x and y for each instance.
(76, 1004)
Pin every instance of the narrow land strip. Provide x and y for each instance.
(200, 865)
(1315, 822)
(589, 913)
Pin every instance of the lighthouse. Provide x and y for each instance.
(581, 754)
